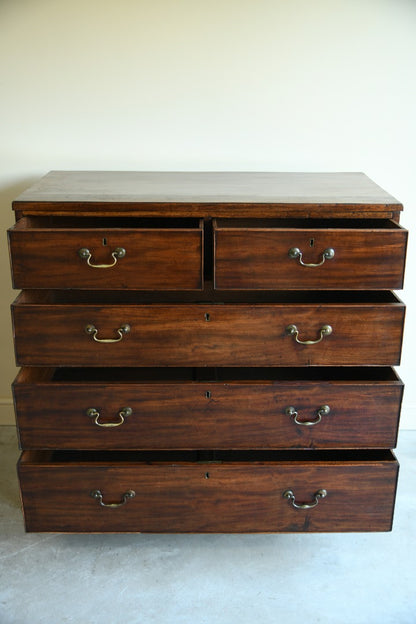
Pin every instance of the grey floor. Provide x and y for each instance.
(201, 579)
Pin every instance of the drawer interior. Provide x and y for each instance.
(57, 222)
(371, 375)
(207, 457)
(307, 224)
(133, 297)
(79, 223)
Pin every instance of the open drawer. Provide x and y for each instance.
(287, 329)
(208, 492)
(107, 253)
(267, 254)
(170, 408)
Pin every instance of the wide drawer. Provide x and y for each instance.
(272, 254)
(365, 330)
(118, 409)
(148, 254)
(189, 492)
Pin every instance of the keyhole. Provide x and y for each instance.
(104, 242)
(311, 242)
(207, 316)
(208, 394)
(206, 475)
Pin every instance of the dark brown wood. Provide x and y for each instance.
(198, 194)
(232, 496)
(163, 288)
(156, 259)
(239, 412)
(256, 256)
(206, 334)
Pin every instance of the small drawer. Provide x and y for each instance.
(116, 409)
(308, 329)
(309, 254)
(142, 254)
(227, 492)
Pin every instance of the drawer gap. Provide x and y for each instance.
(79, 223)
(207, 375)
(168, 457)
(208, 250)
(307, 224)
(133, 297)
(125, 375)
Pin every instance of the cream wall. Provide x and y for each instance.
(267, 85)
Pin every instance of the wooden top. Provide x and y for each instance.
(206, 194)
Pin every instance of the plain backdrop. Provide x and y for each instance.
(263, 85)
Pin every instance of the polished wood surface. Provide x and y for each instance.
(208, 368)
(156, 259)
(242, 410)
(235, 335)
(256, 256)
(235, 194)
(231, 496)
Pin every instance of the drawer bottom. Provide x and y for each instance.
(202, 492)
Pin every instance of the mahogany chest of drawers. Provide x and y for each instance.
(207, 352)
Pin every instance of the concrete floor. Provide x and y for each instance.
(207, 579)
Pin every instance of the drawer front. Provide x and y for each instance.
(239, 496)
(153, 259)
(261, 258)
(208, 335)
(205, 415)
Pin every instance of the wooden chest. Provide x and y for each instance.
(207, 352)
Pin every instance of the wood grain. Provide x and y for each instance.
(216, 497)
(199, 194)
(237, 413)
(156, 259)
(234, 335)
(163, 289)
(257, 257)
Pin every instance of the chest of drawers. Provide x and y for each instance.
(207, 352)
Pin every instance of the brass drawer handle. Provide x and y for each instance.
(97, 494)
(124, 413)
(322, 411)
(316, 498)
(327, 254)
(85, 254)
(292, 330)
(91, 330)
